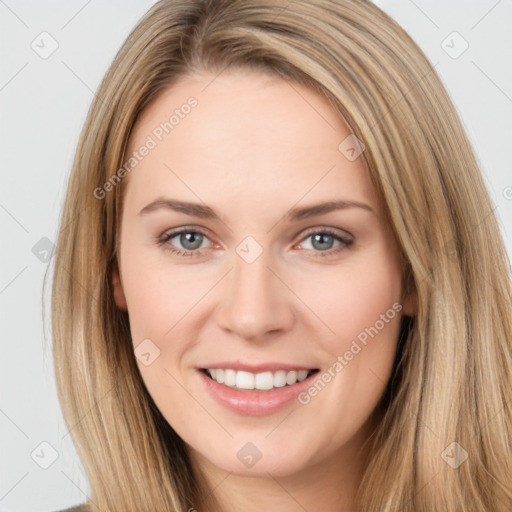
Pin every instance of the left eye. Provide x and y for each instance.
(324, 240)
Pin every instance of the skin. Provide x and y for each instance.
(253, 148)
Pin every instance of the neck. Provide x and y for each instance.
(329, 485)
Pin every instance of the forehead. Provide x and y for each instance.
(243, 136)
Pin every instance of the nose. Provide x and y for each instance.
(255, 301)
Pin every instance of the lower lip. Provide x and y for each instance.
(254, 402)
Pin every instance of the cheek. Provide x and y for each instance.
(159, 295)
(361, 306)
(356, 297)
(160, 301)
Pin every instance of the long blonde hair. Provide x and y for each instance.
(452, 382)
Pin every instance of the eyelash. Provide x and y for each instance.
(164, 239)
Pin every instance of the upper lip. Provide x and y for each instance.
(257, 368)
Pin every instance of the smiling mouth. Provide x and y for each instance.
(264, 381)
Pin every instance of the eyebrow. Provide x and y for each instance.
(295, 214)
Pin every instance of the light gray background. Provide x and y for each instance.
(43, 103)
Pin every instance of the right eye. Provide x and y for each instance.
(189, 239)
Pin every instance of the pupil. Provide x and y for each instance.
(190, 238)
(321, 237)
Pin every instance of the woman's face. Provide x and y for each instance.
(232, 258)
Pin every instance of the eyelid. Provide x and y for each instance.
(327, 229)
(186, 229)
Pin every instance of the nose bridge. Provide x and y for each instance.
(254, 301)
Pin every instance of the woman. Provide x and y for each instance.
(211, 353)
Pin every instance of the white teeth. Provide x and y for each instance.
(291, 377)
(280, 379)
(229, 377)
(244, 380)
(218, 375)
(301, 375)
(262, 381)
